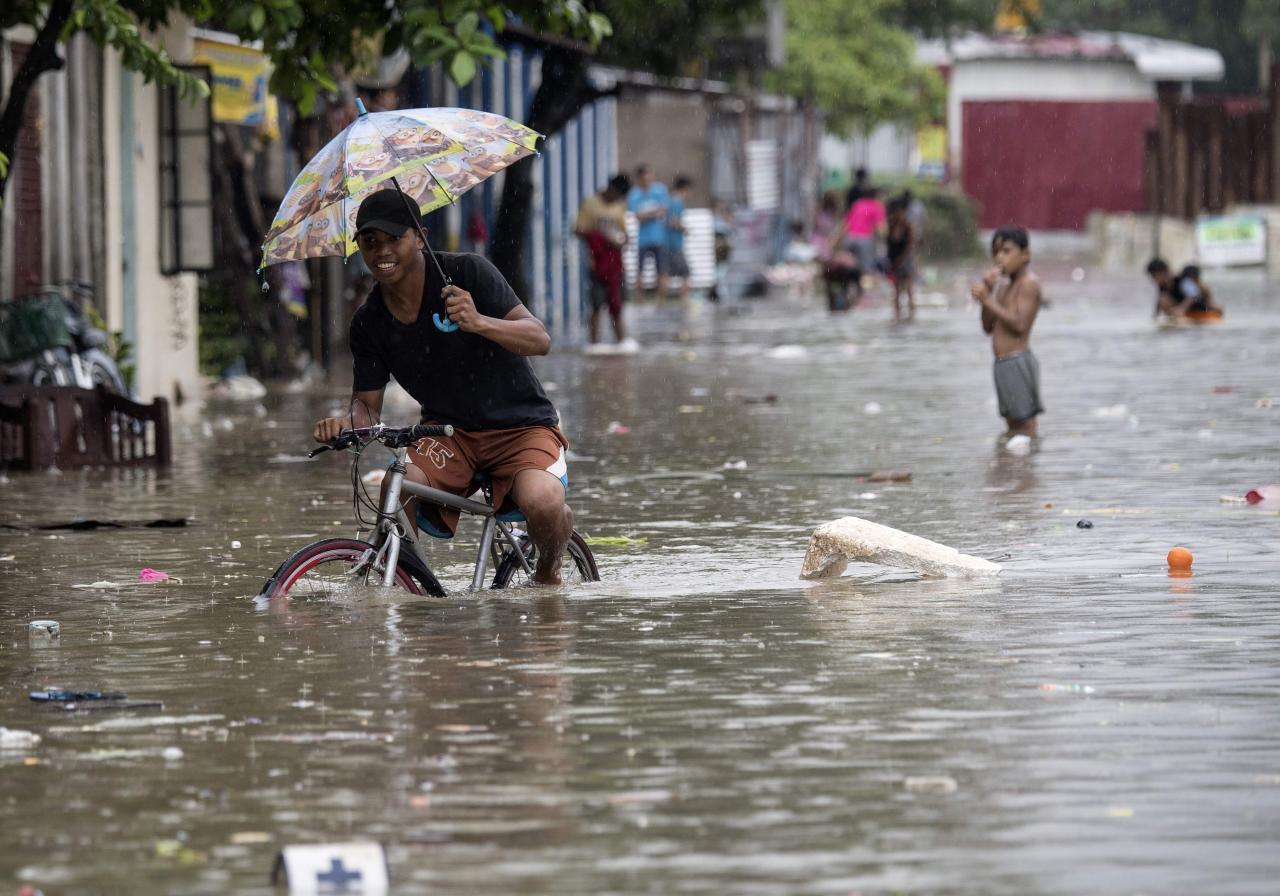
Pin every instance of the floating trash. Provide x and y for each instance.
(834, 544)
(332, 868)
(250, 838)
(44, 633)
(1068, 688)
(57, 695)
(614, 541)
(15, 739)
(931, 784)
(1263, 493)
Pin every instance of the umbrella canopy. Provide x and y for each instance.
(432, 155)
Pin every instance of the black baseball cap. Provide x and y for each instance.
(388, 211)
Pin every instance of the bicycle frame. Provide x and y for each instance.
(394, 525)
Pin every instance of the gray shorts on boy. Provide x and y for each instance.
(1018, 386)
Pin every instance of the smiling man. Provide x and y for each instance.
(461, 348)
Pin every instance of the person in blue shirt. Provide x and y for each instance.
(649, 202)
(677, 264)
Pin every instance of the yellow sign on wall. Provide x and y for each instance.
(239, 85)
(1016, 15)
(931, 146)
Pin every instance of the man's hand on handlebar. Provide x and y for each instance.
(328, 429)
(336, 433)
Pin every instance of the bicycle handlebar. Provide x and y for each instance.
(391, 436)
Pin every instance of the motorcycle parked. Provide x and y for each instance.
(47, 339)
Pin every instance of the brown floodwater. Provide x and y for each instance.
(701, 720)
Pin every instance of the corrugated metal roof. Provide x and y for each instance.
(1155, 58)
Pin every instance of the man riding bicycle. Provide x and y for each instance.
(464, 358)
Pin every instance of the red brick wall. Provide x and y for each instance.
(25, 193)
(1046, 165)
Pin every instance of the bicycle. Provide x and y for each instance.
(392, 555)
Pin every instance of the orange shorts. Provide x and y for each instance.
(450, 463)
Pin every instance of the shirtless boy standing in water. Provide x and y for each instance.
(1010, 298)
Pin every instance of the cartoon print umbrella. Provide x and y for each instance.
(431, 155)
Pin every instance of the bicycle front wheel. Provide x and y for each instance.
(333, 565)
(578, 565)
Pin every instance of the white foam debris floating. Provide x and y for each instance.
(834, 544)
(14, 739)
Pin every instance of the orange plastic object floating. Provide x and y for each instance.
(1206, 316)
(1180, 558)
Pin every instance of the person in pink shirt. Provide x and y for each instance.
(863, 223)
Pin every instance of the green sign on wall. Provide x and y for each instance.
(1231, 240)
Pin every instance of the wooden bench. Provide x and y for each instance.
(64, 426)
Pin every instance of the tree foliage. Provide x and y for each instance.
(666, 37)
(1235, 28)
(672, 37)
(939, 18)
(1232, 27)
(858, 66)
(307, 41)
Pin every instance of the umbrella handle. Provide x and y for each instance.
(447, 325)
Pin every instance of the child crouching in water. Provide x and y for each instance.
(1185, 294)
(1010, 298)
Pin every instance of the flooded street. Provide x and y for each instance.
(701, 720)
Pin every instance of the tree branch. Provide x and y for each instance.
(41, 57)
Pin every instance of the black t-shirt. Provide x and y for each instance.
(1185, 288)
(1179, 289)
(459, 378)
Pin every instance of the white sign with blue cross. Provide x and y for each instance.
(354, 869)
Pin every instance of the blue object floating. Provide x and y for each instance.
(60, 696)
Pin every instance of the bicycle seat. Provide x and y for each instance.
(481, 479)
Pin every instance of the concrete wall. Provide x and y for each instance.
(1128, 241)
(1270, 213)
(155, 312)
(887, 150)
(100, 202)
(667, 130)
